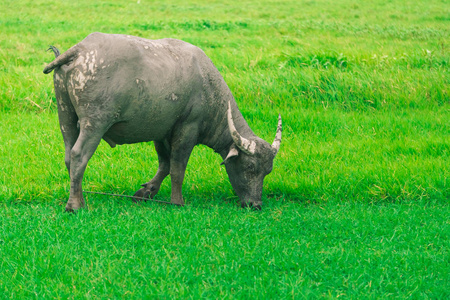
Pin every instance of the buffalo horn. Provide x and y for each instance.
(277, 141)
(241, 142)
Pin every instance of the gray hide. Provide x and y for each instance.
(126, 90)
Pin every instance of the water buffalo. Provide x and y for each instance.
(126, 90)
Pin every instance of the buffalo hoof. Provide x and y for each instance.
(148, 191)
(72, 209)
(73, 206)
(141, 195)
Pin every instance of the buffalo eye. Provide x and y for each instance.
(250, 166)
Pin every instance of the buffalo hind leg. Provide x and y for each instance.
(85, 146)
(68, 124)
(152, 187)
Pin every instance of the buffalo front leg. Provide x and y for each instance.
(82, 151)
(183, 141)
(152, 187)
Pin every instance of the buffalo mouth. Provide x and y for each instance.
(254, 205)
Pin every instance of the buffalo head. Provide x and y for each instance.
(248, 162)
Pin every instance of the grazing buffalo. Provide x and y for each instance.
(126, 89)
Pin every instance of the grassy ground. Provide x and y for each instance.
(357, 204)
(289, 250)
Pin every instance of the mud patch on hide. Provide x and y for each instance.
(85, 67)
(172, 97)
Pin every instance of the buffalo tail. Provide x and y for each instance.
(62, 59)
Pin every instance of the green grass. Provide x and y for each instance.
(357, 204)
(117, 250)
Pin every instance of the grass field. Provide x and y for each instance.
(357, 205)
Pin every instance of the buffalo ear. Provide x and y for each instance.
(232, 153)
